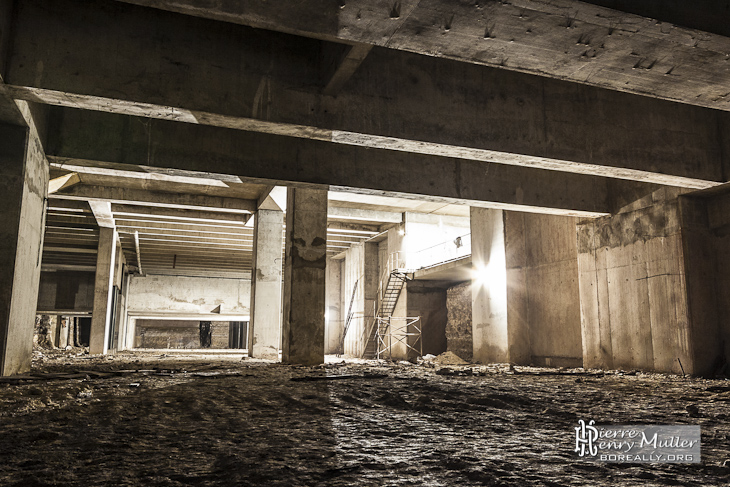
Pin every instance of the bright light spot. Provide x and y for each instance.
(481, 274)
(326, 316)
(401, 232)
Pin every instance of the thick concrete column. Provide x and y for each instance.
(304, 277)
(490, 329)
(103, 288)
(265, 325)
(23, 184)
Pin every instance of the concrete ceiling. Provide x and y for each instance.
(206, 241)
(657, 48)
(153, 123)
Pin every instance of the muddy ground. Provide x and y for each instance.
(146, 419)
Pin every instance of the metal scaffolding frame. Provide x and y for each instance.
(389, 329)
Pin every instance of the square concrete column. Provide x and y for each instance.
(24, 186)
(103, 288)
(62, 331)
(489, 286)
(304, 277)
(333, 320)
(265, 324)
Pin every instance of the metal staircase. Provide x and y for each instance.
(391, 284)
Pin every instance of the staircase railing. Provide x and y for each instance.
(395, 263)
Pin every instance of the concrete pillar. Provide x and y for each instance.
(265, 325)
(334, 324)
(62, 331)
(304, 277)
(397, 243)
(53, 323)
(103, 288)
(371, 279)
(23, 184)
(490, 328)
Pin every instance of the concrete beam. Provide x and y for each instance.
(156, 199)
(102, 211)
(62, 182)
(187, 216)
(73, 250)
(267, 159)
(494, 115)
(182, 229)
(346, 67)
(352, 228)
(569, 40)
(341, 213)
(147, 173)
(274, 199)
(67, 267)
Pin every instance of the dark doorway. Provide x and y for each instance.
(237, 334)
(206, 335)
(84, 325)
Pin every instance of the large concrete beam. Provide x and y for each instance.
(341, 213)
(474, 112)
(569, 39)
(146, 173)
(187, 216)
(268, 159)
(156, 199)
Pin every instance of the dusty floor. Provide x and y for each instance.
(194, 420)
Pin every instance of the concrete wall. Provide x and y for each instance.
(634, 307)
(361, 265)
(66, 291)
(458, 323)
(178, 334)
(150, 295)
(542, 290)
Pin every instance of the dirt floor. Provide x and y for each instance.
(177, 420)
